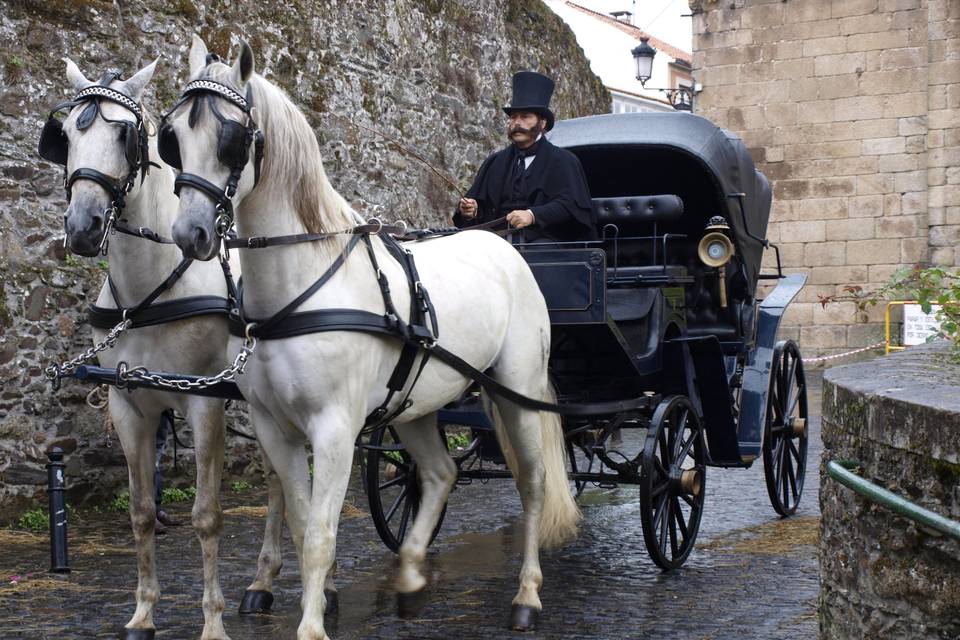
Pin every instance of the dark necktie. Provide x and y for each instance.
(519, 168)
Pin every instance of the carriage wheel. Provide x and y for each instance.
(785, 429)
(393, 488)
(672, 482)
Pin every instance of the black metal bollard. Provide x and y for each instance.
(59, 561)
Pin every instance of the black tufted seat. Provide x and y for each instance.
(635, 214)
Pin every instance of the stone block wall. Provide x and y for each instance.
(882, 576)
(429, 72)
(852, 109)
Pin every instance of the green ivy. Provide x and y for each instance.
(34, 520)
(240, 486)
(119, 504)
(172, 494)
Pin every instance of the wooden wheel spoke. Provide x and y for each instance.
(677, 435)
(689, 501)
(664, 449)
(660, 468)
(785, 480)
(400, 479)
(685, 449)
(396, 503)
(791, 476)
(794, 452)
(660, 488)
(674, 546)
(681, 523)
(404, 519)
(663, 535)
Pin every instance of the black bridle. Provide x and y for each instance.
(54, 146)
(233, 149)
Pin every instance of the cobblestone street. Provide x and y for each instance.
(752, 574)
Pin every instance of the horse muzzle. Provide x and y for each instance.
(197, 241)
(85, 227)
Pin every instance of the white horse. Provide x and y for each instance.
(194, 345)
(319, 387)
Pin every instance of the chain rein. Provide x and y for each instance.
(55, 372)
(127, 374)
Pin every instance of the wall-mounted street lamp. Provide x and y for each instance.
(680, 97)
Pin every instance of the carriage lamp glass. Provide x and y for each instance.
(643, 56)
(716, 250)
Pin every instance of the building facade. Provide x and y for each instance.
(607, 40)
(852, 109)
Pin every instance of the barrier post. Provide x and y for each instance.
(59, 560)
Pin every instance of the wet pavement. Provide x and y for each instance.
(751, 575)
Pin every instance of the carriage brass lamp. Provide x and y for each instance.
(680, 97)
(715, 250)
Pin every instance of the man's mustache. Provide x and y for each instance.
(534, 130)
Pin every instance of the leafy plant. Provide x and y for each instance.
(34, 520)
(119, 504)
(458, 440)
(240, 486)
(72, 260)
(929, 286)
(103, 264)
(172, 494)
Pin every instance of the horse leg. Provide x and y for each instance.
(206, 417)
(258, 598)
(332, 458)
(136, 433)
(436, 474)
(286, 454)
(521, 436)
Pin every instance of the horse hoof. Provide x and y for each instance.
(138, 634)
(256, 602)
(523, 618)
(333, 601)
(410, 604)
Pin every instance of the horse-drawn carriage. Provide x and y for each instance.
(662, 308)
(655, 328)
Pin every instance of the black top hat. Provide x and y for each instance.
(531, 92)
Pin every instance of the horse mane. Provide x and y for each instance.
(292, 155)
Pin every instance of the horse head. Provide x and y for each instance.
(211, 136)
(102, 144)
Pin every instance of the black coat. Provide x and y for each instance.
(554, 188)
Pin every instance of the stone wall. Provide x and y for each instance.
(881, 576)
(433, 73)
(852, 109)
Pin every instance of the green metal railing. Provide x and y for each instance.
(842, 472)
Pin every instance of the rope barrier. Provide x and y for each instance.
(844, 354)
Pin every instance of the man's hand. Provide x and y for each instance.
(468, 207)
(520, 218)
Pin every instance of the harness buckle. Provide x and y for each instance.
(422, 336)
(256, 242)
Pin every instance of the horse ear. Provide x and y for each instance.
(198, 56)
(75, 76)
(136, 84)
(243, 67)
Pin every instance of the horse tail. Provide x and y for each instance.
(560, 515)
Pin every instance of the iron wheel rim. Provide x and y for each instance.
(784, 451)
(670, 515)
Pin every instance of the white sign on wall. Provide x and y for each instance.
(917, 325)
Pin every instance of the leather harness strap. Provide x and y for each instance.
(416, 337)
(161, 312)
